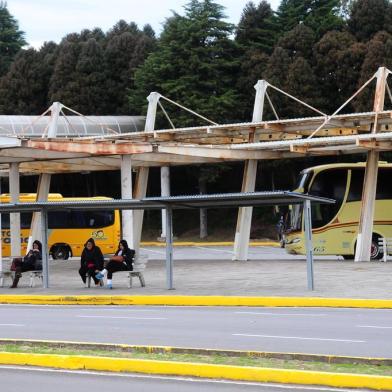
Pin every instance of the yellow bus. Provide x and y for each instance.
(335, 226)
(67, 230)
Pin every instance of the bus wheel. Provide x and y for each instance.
(60, 252)
(375, 249)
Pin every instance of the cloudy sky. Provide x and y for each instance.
(45, 20)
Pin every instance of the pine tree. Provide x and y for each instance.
(378, 54)
(64, 83)
(126, 49)
(194, 64)
(11, 38)
(91, 79)
(320, 15)
(338, 58)
(367, 17)
(257, 29)
(299, 42)
(24, 89)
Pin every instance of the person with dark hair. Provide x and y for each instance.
(121, 261)
(91, 262)
(31, 262)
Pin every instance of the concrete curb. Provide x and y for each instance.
(181, 300)
(110, 347)
(77, 362)
(212, 243)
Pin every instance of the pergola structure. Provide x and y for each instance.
(323, 134)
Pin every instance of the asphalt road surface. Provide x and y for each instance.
(13, 379)
(352, 332)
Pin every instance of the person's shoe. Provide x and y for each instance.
(99, 276)
(109, 286)
(101, 282)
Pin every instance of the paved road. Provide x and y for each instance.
(38, 380)
(354, 332)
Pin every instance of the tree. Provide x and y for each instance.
(126, 49)
(11, 38)
(338, 58)
(256, 29)
(64, 84)
(378, 54)
(194, 64)
(299, 42)
(90, 73)
(24, 89)
(320, 15)
(368, 17)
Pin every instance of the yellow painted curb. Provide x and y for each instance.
(212, 243)
(181, 300)
(77, 362)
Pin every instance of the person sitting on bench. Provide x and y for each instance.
(121, 261)
(91, 262)
(31, 262)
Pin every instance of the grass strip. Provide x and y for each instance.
(353, 368)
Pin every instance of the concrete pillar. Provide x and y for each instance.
(244, 219)
(44, 181)
(142, 174)
(365, 230)
(165, 191)
(126, 193)
(14, 217)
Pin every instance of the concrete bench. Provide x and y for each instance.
(35, 275)
(6, 274)
(386, 244)
(138, 267)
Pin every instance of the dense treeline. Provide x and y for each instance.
(321, 51)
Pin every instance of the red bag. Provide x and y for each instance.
(118, 259)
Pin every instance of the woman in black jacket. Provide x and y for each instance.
(122, 261)
(31, 262)
(91, 261)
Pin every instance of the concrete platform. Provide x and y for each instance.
(210, 271)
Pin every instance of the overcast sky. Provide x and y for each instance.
(50, 20)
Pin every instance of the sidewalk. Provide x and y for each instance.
(271, 272)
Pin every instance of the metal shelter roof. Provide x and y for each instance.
(175, 202)
(70, 126)
(345, 134)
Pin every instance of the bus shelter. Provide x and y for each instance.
(229, 200)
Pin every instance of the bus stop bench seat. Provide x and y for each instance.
(6, 274)
(139, 266)
(386, 244)
(34, 275)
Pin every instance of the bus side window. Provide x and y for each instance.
(331, 184)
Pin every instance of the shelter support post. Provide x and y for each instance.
(42, 195)
(45, 253)
(165, 191)
(244, 219)
(44, 179)
(14, 217)
(142, 174)
(139, 193)
(365, 229)
(309, 244)
(126, 193)
(169, 248)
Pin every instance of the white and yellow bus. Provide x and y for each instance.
(335, 226)
(67, 230)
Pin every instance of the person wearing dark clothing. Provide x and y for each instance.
(31, 262)
(91, 261)
(122, 261)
